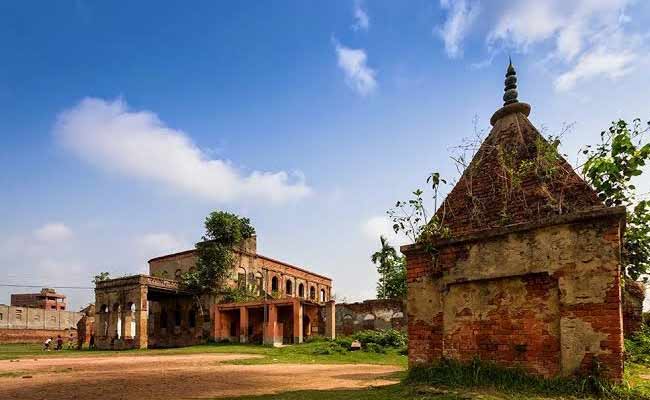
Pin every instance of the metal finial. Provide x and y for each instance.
(510, 95)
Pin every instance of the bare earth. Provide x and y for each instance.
(173, 377)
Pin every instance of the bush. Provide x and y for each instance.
(327, 348)
(344, 342)
(385, 338)
(375, 348)
(637, 348)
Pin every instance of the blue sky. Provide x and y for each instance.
(123, 125)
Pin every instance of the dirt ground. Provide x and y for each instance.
(173, 377)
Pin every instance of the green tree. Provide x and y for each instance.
(610, 168)
(392, 272)
(215, 260)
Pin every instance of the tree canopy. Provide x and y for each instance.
(223, 232)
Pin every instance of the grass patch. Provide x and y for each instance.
(318, 352)
(312, 353)
(477, 374)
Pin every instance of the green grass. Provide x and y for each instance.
(299, 354)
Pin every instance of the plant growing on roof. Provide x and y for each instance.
(215, 260)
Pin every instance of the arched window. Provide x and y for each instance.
(322, 295)
(301, 290)
(177, 274)
(103, 309)
(312, 293)
(241, 278)
(289, 287)
(274, 284)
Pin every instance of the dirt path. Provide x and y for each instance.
(173, 377)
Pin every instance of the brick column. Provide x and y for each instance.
(216, 333)
(141, 320)
(243, 325)
(270, 329)
(330, 319)
(297, 322)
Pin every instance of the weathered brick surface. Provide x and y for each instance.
(633, 296)
(530, 275)
(35, 335)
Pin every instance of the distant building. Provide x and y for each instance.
(47, 299)
(289, 304)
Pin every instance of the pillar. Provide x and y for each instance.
(243, 325)
(330, 319)
(297, 322)
(141, 339)
(270, 330)
(217, 334)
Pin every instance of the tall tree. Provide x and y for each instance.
(392, 272)
(215, 260)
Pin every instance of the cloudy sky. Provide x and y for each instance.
(123, 125)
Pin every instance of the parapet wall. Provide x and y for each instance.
(37, 318)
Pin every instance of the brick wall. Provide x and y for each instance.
(633, 296)
(370, 314)
(35, 335)
(545, 297)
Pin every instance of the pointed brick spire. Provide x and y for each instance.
(510, 95)
(515, 177)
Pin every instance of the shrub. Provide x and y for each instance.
(385, 338)
(327, 348)
(344, 342)
(375, 348)
(637, 348)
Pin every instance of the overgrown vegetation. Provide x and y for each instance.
(480, 374)
(637, 348)
(610, 168)
(215, 260)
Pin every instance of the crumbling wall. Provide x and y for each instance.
(633, 296)
(370, 314)
(545, 297)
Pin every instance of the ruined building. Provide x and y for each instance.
(154, 311)
(47, 299)
(526, 268)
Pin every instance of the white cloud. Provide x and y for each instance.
(600, 61)
(139, 144)
(583, 39)
(460, 17)
(53, 232)
(362, 21)
(358, 75)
